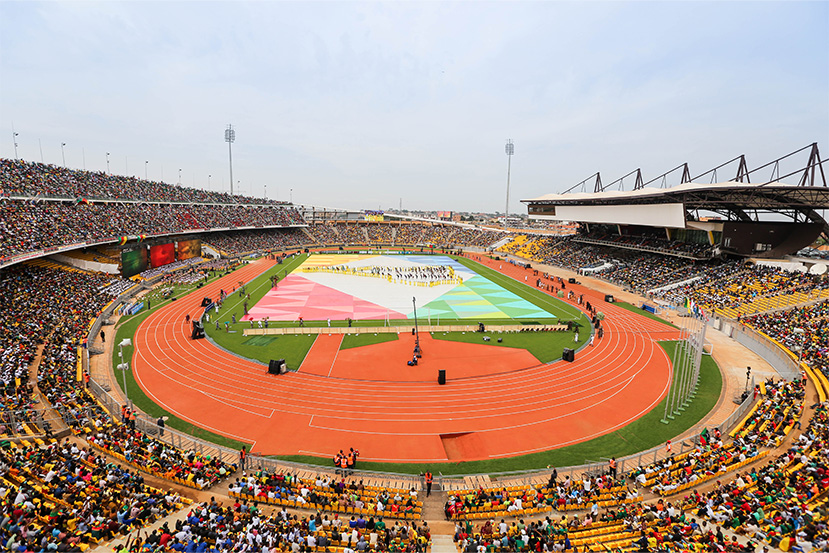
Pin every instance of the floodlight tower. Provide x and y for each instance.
(510, 150)
(230, 138)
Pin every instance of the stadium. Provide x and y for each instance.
(481, 356)
(222, 343)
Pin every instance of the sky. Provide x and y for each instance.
(367, 105)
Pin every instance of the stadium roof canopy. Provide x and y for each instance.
(734, 196)
(736, 200)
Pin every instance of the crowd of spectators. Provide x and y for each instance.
(403, 234)
(60, 497)
(196, 272)
(326, 494)
(380, 233)
(444, 236)
(771, 421)
(324, 233)
(650, 242)
(352, 233)
(634, 269)
(30, 179)
(53, 308)
(170, 267)
(243, 527)
(117, 287)
(805, 327)
(409, 234)
(737, 288)
(161, 459)
(41, 306)
(704, 288)
(782, 499)
(252, 241)
(37, 225)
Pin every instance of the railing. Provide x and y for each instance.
(637, 247)
(28, 423)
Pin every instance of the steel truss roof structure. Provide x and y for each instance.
(737, 200)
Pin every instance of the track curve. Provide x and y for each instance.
(521, 411)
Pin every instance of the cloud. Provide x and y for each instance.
(359, 104)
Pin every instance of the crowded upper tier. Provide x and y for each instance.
(34, 225)
(30, 179)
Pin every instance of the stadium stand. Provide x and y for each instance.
(325, 493)
(69, 495)
(240, 243)
(59, 497)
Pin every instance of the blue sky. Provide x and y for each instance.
(358, 105)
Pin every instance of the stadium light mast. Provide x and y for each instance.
(510, 150)
(108, 173)
(230, 138)
(63, 154)
(14, 140)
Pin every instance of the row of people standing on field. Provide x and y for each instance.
(346, 462)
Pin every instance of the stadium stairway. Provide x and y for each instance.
(502, 242)
(443, 544)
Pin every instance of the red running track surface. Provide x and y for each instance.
(521, 410)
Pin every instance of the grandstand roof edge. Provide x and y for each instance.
(657, 192)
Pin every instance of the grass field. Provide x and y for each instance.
(564, 311)
(294, 348)
(359, 340)
(545, 346)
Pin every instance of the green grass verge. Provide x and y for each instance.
(640, 435)
(367, 339)
(545, 346)
(126, 329)
(640, 311)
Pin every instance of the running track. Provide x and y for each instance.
(516, 412)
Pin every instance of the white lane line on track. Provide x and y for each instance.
(625, 336)
(336, 355)
(602, 377)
